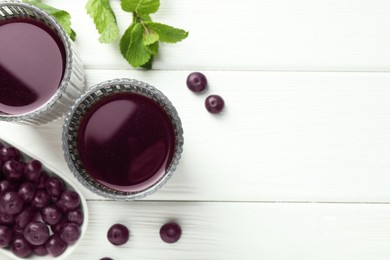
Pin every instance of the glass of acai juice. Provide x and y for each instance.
(40, 72)
(123, 139)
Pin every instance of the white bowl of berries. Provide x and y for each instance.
(42, 214)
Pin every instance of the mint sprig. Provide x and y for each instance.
(104, 19)
(140, 43)
(62, 17)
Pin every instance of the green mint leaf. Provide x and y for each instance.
(150, 37)
(153, 48)
(62, 17)
(132, 46)
(72, 35)
(141, 7)
(126, 40)
(148, 65)
(167, 33)
(144, 17)
(104, 19)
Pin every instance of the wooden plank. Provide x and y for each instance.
(282, 137)
(325, 35)
(240, 231)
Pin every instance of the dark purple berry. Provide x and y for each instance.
(61, 206)
(11, 202)
(18, 231)
(40, 250)
(13, 170)
(32, 171)
(196, 82)
(118, 234)
(27, 191)
(105, 258)
(41, 199)
(70, 232)
(54, 186)
(51, 214)
(6, 218)
(76, 216)
(57, 227)
(214, 104)
(36, 233)
(42, 180)
(7, 186)
(70, 200)
(55, 245)
(21, 248)
(10, 153)
(5, 236)
(170, 232)
(24, 217)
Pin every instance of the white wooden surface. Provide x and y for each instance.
(298, 165)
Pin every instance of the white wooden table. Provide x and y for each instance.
(298, 166)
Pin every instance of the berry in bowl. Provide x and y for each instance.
(42, 215)
(122, 139)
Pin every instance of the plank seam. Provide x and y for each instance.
(249, 202)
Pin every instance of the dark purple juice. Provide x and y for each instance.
(32, 61)
(126, 142)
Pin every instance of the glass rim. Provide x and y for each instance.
(81, 107)
(69, 60)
